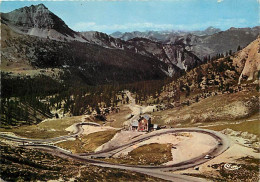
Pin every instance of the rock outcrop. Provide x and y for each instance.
(39, 21)
(249, 61)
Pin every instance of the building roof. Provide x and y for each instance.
(147, 117)
(134, 123)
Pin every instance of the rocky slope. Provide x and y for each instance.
(91, 63)
(248, 60)
(176, 57)
(240, 67)
(224, 89)
(39, 21)
(221, 42)
(35, 165)
(180, 52)
(104, 40)
(212, 41)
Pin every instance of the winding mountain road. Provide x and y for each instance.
(79, 131)
(156, 171)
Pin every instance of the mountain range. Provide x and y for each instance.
(162, 35)
(43, 40)
(211, 41)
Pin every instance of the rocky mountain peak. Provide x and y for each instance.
(117, 34)
(33, 16)
(211, 30)
(38, 20)
(35, 7)
(41, 6)
(32, 8)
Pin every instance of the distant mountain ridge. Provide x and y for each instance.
(175, 52)
(39, 21)
(78, 61)
(162, 35)
(175, 56)
(210, 42)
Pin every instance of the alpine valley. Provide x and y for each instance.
(73, 104)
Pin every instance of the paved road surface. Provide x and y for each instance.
(79, 131)
(156, 171)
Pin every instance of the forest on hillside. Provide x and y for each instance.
(30, 100)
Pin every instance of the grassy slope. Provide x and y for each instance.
(247, 126)
(19, 164)
(88, 143)
(151, 154)
(216, 106)
(47, 129)
(117, 119)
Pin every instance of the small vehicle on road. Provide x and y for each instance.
(207, 157)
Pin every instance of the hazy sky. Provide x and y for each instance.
(129, 15)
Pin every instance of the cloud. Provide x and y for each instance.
(84, 26)
(128, 27)
(219, 23)
(219, 1)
